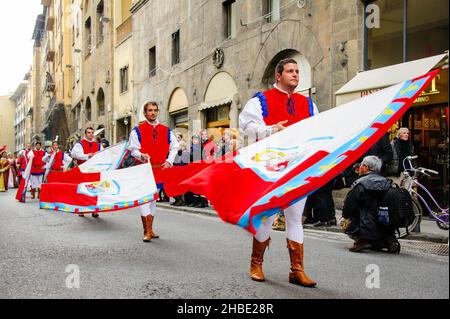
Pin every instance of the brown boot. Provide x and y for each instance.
(146, 238)
(39, 192)
(150, 226)
(297, 274)
(258, 250)
(33, 193)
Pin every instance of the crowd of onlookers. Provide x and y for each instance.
(205, 147)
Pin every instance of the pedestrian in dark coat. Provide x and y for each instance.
(360, 211)
(401, 147)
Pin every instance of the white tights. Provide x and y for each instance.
(294, 226)
(148, 209)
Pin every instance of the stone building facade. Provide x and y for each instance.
(124, 109)
(97, 54)
(202, 60)
(7, 122)
(21, 99)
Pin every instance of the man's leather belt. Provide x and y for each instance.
(157, 165)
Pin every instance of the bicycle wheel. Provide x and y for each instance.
(417, 217)
(442, 225)
(442, 219)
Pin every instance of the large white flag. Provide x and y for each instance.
(108, 159)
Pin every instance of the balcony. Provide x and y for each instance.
(124, 30)
(50, 23)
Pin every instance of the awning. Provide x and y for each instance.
(178, 101)
(220, 91)
(216, 103)
(383, 77)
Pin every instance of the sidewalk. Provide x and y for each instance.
(429, 231)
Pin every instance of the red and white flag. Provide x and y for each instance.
(101, 192)
(110, 158)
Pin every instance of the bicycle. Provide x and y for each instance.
(409, 181)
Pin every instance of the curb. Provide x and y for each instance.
(334, 229)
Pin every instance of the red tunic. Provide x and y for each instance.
(155, 141)
(22, 164)
(37, 167)
(88, 147)
(278, 106)
(57, 165)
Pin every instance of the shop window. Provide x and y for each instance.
(218, 116)
(426, 28)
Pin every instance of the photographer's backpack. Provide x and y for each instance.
(395, 208)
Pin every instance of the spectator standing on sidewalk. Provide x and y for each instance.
(181, 159)
(402, 148)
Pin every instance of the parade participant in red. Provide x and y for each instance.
(56, 158)
(37, 169)
(21, 165)
(22, 161)
(154, 142)
(267, 113)
(84, 150)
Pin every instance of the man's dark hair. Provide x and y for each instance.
(150, 103)
(88, 128)
(280, 65)
(37, 143)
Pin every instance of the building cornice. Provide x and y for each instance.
(137, 5)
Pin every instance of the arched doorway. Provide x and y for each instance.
(178, 112)
(101, 102)
(305, 81)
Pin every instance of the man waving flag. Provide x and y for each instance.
(276, 172)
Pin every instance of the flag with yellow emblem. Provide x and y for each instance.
(272, 174)
(102, 192)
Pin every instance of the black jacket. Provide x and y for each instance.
(361, 207)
